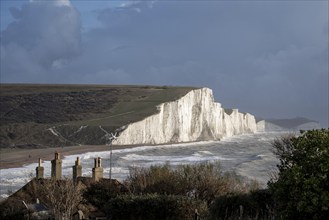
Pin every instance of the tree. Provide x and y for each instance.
(301, 190)
(60, 196)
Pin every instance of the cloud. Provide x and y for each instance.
(265, 57)
(56, 2)
(296, 80)
(43, 36)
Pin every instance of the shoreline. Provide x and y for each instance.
(13, 158)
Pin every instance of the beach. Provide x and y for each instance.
(13, 157)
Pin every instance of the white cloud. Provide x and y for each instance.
(56, 2)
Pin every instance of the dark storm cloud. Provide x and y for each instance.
(43, 37)
(267, 58)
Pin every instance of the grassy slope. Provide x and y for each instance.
(28, 111)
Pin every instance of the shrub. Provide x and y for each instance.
(203, 181)
(254, 205)
(12, 208)
(156, 179)
(154, 206)
(99, 193)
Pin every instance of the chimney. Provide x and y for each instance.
(97, 170)
(39, 170)
(56, 167)
(77, 169)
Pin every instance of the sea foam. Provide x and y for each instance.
(249, 156)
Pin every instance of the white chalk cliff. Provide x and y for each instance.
(265, 126)
(194, 117)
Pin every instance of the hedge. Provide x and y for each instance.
(255, 205)
(154, 206)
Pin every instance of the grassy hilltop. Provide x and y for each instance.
(64, 115)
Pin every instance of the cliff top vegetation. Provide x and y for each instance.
(29, 111)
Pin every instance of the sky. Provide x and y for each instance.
(268, 58)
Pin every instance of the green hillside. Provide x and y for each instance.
(64, 115)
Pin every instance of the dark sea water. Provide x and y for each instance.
(249, 156)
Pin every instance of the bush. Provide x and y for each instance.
(12, 208)
(203, 181)
(99, 193)
(154, 206)
(301, 188)
(254, 205)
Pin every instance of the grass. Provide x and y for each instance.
(28, 110)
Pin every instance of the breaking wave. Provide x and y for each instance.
(249, 156)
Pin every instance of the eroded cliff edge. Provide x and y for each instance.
(193, 117)
(48, 115)
(41, 116)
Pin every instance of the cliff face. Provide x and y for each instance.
(193, 117)
(295, 124)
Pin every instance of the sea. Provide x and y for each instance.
(249, 156)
